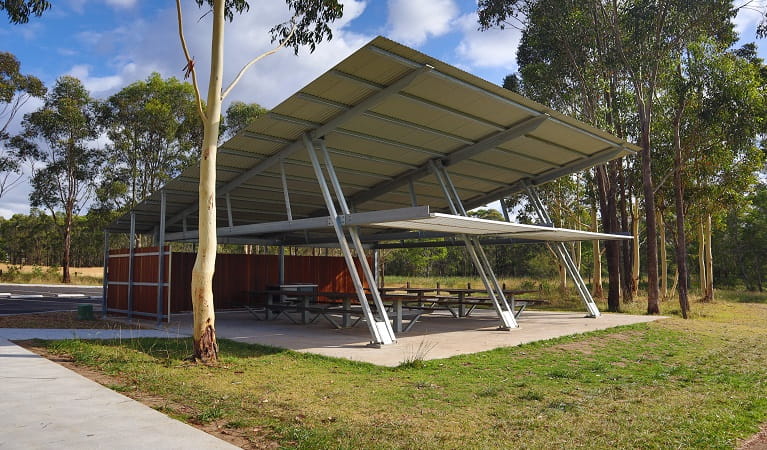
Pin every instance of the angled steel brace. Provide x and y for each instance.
(380, 327)
(477, 254)
(384, 325)
(564, 256)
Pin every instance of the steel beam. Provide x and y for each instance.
(521, 185)
(311, 223)
(285, 191)
(454, 158)
(515, 131)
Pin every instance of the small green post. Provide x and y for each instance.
(85, 312)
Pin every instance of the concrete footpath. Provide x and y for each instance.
(46, 406)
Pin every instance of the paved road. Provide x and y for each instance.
(35, 298)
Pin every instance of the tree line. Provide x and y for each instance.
(92, 159)
(665, 75)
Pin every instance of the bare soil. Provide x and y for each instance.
(757, 441)
(254, 438)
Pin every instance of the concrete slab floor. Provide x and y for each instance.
(435, 336)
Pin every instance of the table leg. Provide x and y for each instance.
(461, 306)
(305, 313)
(398, 316)
(346, 320)
(269, 303)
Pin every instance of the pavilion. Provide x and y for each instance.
(388, 145)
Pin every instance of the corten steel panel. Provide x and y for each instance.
(144, 271)
(237, 275)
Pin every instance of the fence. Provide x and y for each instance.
(236, 276)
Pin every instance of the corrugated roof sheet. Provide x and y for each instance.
(379, 148)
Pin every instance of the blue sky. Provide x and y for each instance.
(109, 44)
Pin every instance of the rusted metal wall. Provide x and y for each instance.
(144, 280)
(236, 277)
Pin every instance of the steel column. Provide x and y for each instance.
(564, 256)
(477, 254)
(131, 257)
(105, 289)
(161, 256)
(354, 234)
(285, 192)
(380, 330)
(411, 187)
(228, 209)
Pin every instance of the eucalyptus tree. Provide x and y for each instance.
(61, 135)
(720, 115)
(564, 58)
(308, 26)
(154, 132)
(19, 11)
(239, 115)
(16, 89)
(632, 41)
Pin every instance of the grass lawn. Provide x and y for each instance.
(671, 383)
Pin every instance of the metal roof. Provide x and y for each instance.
(385, 112)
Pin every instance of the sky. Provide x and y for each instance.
(109, 44)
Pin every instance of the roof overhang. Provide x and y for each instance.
(386, 114)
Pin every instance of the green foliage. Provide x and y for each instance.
(20, 10)
(15, 90)
(239, 115)
(155, 132)
(308, 26)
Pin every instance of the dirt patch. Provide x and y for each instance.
(757, 441)
(66, 320)
(594, 344)
(246, 438)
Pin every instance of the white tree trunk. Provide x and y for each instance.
(205, 346)
(598, 290)
(709, 262)
(702, 259)
(635, 233)
(663, 257)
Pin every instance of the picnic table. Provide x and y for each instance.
(417, 301)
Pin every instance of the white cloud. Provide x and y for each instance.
(413, 22)
(747, 19)
(153, 46)
(124, 4)
(491, 48)
(96, 85)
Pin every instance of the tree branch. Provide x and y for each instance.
(189, 62)
(258, 58)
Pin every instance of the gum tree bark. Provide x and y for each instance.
(204, 332)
